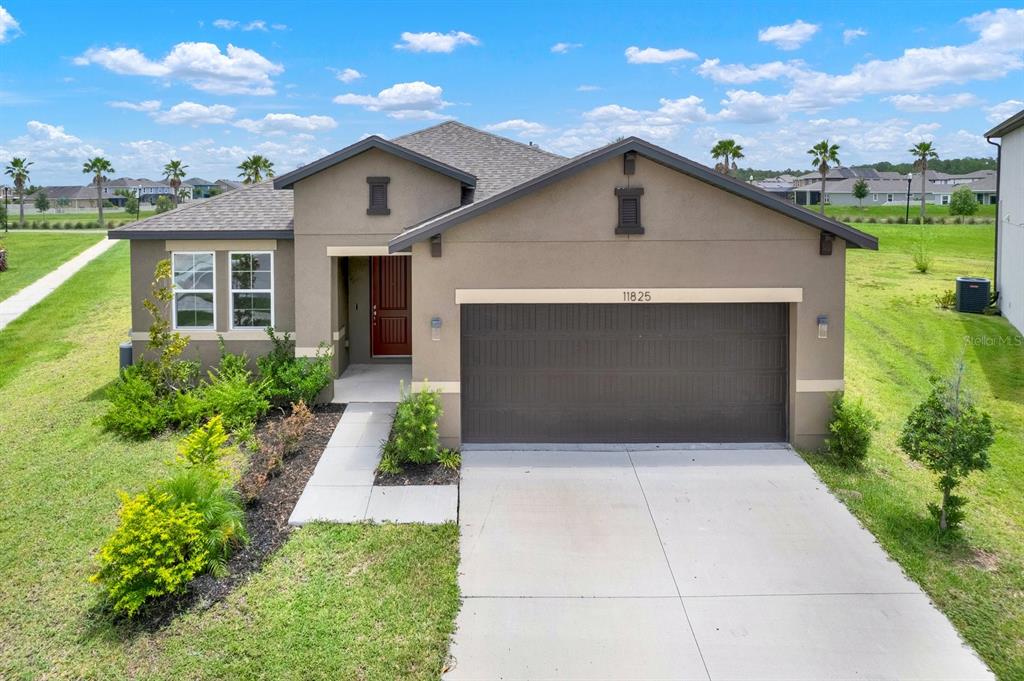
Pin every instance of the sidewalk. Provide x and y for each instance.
(20, 302)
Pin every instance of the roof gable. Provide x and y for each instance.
(437, 225)
(288, 180)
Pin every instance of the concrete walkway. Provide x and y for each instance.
(690, 564)
(20, 302)
(341, 488)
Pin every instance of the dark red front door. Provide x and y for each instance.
(390, 293)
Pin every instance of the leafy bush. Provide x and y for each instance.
(951, 437)
(205, 446)
(156, 549)
(218, 504)
(292, 379)
(450, 458)
(164, 204)
(136, 411)
(963, 202)
(946, 300)
(414, 436)
(850, 429)
(234, 395)
(289, 431)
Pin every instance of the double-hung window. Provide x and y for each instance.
(194, 301)
(252, 290)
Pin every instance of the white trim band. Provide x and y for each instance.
(221, 244)
(350, 251)
(442, 386)
(814, 385)
(312, 351)
(239, 335)
(638, 295)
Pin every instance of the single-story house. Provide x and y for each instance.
(1009, 265)
(625, 294)
(202, 189)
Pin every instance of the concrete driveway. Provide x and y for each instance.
(691, 564)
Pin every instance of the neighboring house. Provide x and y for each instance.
(202, 189)
(71, 197)
(228, 185)
(625, 294)
(880, 193)
(147, 190)
(837, 175)
(1010, 218)
(783, 189)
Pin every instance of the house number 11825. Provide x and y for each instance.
(636, 296)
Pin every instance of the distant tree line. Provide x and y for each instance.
(953, 166)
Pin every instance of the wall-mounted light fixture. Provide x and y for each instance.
(435, 328)
(822, 326)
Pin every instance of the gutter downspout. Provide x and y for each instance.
(999, 196)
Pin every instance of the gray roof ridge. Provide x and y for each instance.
(482, 132)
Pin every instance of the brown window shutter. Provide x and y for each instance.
(378, 196)
(629, 210)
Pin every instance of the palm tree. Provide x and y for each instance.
(728, 151)
(254, 168)
(97, 167)
(17, 169)
(822, 154)
(173, 173)
(923, 151)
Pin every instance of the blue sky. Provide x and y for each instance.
(210, 83)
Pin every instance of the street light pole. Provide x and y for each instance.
(910, 178)
(138, 202)
(7, 212)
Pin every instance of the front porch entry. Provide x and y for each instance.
(376, 383)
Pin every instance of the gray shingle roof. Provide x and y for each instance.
(497, 162)
(259, 210)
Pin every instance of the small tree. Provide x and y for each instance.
(951, 437)
(168, 345)
(164, 204)
(42, 202)
(131, 204)
(963, 202)
(860, 191)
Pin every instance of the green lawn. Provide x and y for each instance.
(336, 602)
(933, 210)
(54, 217)
(31, 255)
(895, 339)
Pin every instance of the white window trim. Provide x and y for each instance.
(232, 290)
(888, 198)
(174, 298)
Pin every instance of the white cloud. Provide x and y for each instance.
(1003, 110)
(851, 34)
(435, 42)
(604, 124)
(749, 106)
(201, 65)
(348, 75)
(788, 36)
(562, 48)
(52, 149)
(191, 113)
(9, 27)
(588, 88)
(938, 103)
(402, 100)
(211, 159)
(653, 55)
(254, 25)
(520, 127)
(279, 123)
(1001, 28)
(147, 105)
(737, 74)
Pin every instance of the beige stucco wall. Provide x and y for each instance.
(330, 211)
(1011, 229)
(696, 236)
(145, 254)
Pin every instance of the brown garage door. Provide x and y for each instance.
(624, 373)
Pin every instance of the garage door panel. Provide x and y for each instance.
(614, 373)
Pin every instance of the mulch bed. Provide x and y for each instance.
(428, 474)
(266, 519)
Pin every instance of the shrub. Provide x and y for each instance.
(951, 437)
(156, 549)
(234, 395)
(922, 256)
(946, 300)
(292, 379)
(188, 409)
(414, 436)
(870, 220)
(450, 458)
(850, 429)
(205, 446)
(136, 411)
(290, 430)
(218, 504)
(963, 202)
